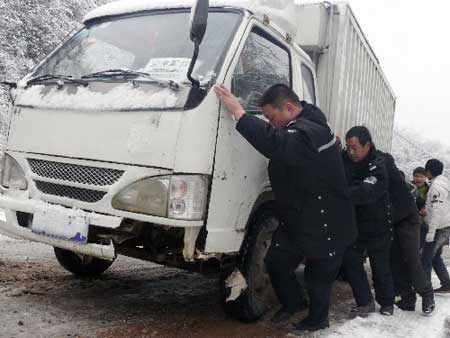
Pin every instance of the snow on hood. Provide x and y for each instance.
(281, 11)
(121, 97)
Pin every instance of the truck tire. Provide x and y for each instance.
(259, 296)
(81, 265)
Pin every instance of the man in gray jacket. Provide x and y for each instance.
(438, 218)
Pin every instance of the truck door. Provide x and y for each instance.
(240, 172)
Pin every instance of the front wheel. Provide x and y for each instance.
(259, 296)
(81, 265)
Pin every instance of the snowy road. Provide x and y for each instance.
(402, 324)
(38, 299)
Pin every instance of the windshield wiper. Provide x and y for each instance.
(128, 74)
(59, 79)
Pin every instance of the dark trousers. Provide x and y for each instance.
(423, 233)
(378, 250)
(320, 274)
(431, 256)
(407, 272)
(441, 269)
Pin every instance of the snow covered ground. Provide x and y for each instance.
(402, 324)
(32, 284)
(3, 219)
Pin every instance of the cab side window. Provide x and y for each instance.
(309, 90)
(262, 63)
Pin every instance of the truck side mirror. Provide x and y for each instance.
(199, 21)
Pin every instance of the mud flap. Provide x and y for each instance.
(237, 284)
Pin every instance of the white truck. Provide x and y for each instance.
(118, 145)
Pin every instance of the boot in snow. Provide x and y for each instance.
(428, 305)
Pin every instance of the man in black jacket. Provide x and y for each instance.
(368, 180)
(409, 276)
(308, 181)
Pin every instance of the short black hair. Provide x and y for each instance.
(362, 133)
(419, 170)
(435, 167)
(279, 94)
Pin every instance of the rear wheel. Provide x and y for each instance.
(259, 296)
(81, 265)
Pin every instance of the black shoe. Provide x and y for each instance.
(283, 315)
(442, 289)
(305, 326)
(428, 305)
(363, 310)
(387, 310)
(406, 305)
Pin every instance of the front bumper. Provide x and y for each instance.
(11, 228)
(68, 180)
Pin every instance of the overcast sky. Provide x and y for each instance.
(411, 39)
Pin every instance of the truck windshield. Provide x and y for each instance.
(156, 43)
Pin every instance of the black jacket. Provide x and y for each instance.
(368, 181)
(308, 181)
(399, 193)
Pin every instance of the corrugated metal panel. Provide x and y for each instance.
(360, 93)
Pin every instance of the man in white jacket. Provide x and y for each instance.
(438, 219)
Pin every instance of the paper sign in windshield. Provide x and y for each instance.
(168, 68)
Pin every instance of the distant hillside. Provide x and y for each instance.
(30, 29)
(411, 150)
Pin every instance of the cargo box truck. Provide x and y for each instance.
(118, 145)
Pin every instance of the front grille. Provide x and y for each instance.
(85, 195)
(75, 173)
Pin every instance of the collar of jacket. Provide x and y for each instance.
(440, 182)
(311, 113)
(370, 157)
(361, 164)
(292, 122)
(439, 178)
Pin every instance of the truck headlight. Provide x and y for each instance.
(187, 197)
(147, 196)
(12, 174)
(178, 197)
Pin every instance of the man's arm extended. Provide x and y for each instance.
(291, 146)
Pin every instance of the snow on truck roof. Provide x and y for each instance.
(281, 9)
(133, 6)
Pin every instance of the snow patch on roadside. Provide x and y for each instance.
(402, 324)
(3, 219)
(4, 238)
